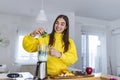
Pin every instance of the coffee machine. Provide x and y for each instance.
(41, 70)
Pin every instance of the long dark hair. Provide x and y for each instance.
(65, 33)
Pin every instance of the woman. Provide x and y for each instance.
(63, 50)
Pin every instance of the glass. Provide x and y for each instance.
(43, 53)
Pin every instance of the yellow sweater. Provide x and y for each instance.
(54, 64)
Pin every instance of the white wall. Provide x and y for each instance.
(114, 46)
(8, 29)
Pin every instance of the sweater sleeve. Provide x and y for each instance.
(30, 44)
(70, 57)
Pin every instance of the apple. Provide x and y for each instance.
(89, 70)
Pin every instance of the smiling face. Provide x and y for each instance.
(60, 25)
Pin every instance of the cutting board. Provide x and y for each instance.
(72, 77)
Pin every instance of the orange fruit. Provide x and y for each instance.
(65, 71)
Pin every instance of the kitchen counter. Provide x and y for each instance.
(96, 76)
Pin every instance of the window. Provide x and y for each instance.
(23, 57)
(93, 44)
(90, 52)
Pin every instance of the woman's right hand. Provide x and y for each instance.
(38, 31)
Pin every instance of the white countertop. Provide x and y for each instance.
(24, 76)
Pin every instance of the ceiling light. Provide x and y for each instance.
(42, 17)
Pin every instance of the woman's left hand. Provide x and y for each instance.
(55, 53)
